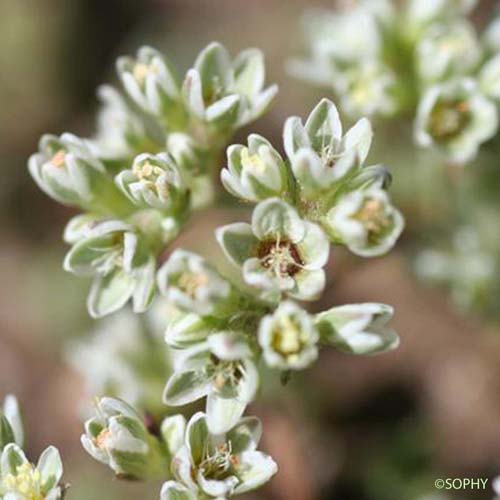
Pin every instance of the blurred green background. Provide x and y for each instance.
(381, 428)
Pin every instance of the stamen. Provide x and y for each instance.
(374, 218)
(252, 162)
(287, 336)
(281, 258)
(59, 159)
(141, 72)
(101, 440)
(190, 282)
(26, 482)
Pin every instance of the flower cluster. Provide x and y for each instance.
(148, 166)
(19, 478)
(417, 57)
(194, 462)
(138, 181)
(321, 194)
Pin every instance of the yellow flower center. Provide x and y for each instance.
(219, 464)
(361, 94)
(147, 171)
(287, 336)
(59, 159)
(254, 162)
(448, 119)
(374, 218)
(149, 174)
(26, 482)
(141, 71)
(190, 282)
(101, 441)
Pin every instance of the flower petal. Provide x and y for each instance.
(314, 248)
(173, 430)
(110, 293)
(324, 121)
(237, 241)
(245, 435)
(197, 436)
(184, 387)
(273, 217)
(308, 285)
(223, 413)
(256, 469)
(172, 490)
(50, 467)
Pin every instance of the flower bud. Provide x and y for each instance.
(358, 328)
(255, 172)
(121, 263)
(117, 437)
(66, 170)
(227, 94)
(365, 221)
(151, 82)
(154, 181)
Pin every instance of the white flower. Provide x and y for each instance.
(117, 437)
(225, 93)
(122, 266)
(491, 35)
(22, 480)
(288, 338)
(489, 78)
(320, 154)
(456, 118)
(219, 466)
(468, 268)
(278, 252)
(149, 80)
(358, 328)
(66, 169)
(421, 12)
(193, 285)
(365, 221)
(154, 181)
(255, 172)
(367, 89)
(447, 49)
(220, 368)
(346, 36)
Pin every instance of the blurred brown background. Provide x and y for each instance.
(380, 428)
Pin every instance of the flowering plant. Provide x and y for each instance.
(138, 184)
